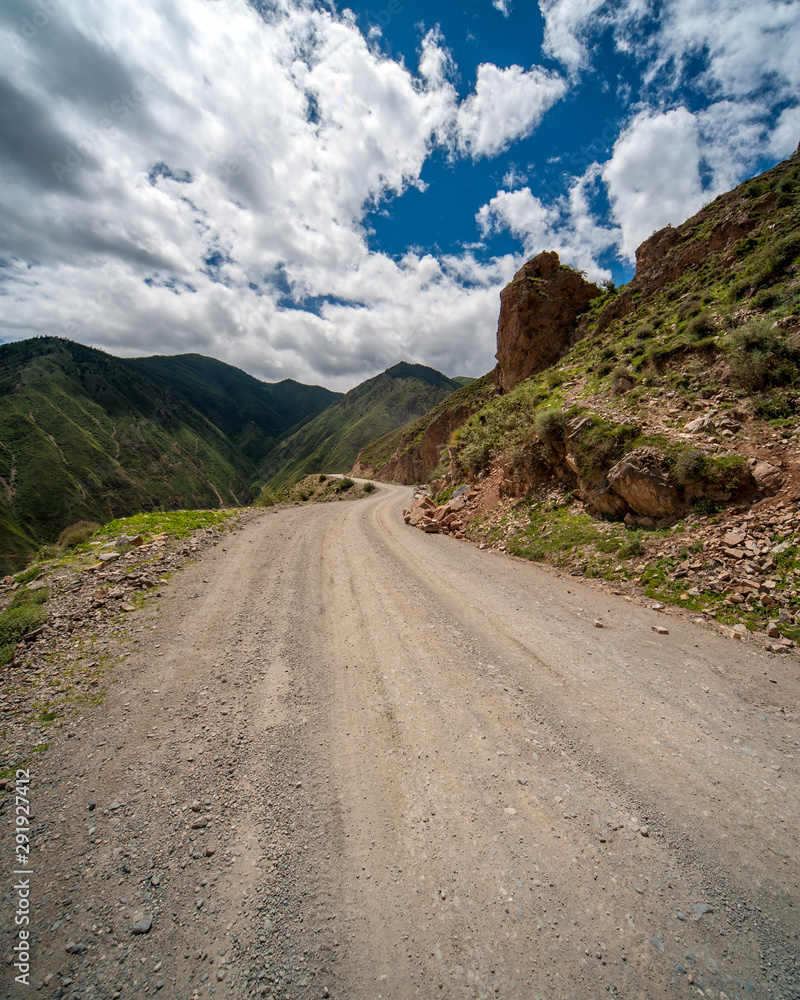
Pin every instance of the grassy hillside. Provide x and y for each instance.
(711, 321)
(85, 435)
(400, 455)
(660, 453)
(332, 441)
(254, 415)
(710, 324)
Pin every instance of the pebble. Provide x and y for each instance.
(142, 925)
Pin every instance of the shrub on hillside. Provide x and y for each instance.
(700, 327)
(760, 358)
(77, 534)
(25, 614)
(550, 423)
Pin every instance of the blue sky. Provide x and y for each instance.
(318, 191)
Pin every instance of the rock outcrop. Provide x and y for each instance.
(415, 461)
(641, 481)
(538, 313)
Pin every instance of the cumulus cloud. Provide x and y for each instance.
(567, 226)
(202, 185)
(514, 178)
(785, 137)
(741, 54)
(568, 25)
(205, 183)
(504, 6)
(507, 105)
(653, 178)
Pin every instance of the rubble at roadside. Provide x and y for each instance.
(736, 572)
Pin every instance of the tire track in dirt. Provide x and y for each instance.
(348, 759)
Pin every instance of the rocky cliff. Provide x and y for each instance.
(538, 313)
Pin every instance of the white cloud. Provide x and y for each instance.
(507, 105)
(747, 43)
(568, 226)
(567, 26)
(259, 148)
(514, 178)
(786, 135)
(504, 6)
(653, 178)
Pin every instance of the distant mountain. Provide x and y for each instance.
(331, 441)
(254, 415)
(464, 379)
(84, 435)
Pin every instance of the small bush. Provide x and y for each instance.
(550, 423)
(601, 444)
(323, 478)
(620, 371)
(644, 332)
(15, 624)
(690, 465)
(267, 498)
(760, 359)
(40, 595)
(632, 547)
(370, 487)
(77, 534)
(554, 379)
(690, 308)
(342, 485)
(767, 298)
(700, 327)
(28, 574)
(775, 406)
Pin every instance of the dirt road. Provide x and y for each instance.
(348, 759)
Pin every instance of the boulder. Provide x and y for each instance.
(622, 385)
(418, 516)
(603, 500)
(767, 476)
(640, 479)
(699, 424)
(538, 313)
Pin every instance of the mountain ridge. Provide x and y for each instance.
(332, 441)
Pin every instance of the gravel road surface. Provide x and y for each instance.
(346, 759)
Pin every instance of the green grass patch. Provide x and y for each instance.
(176, 524)
(26, 614)
(561, 535)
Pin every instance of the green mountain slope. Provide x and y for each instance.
(693, 367)
(331, 441)
(84, 435)
(254, 415)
